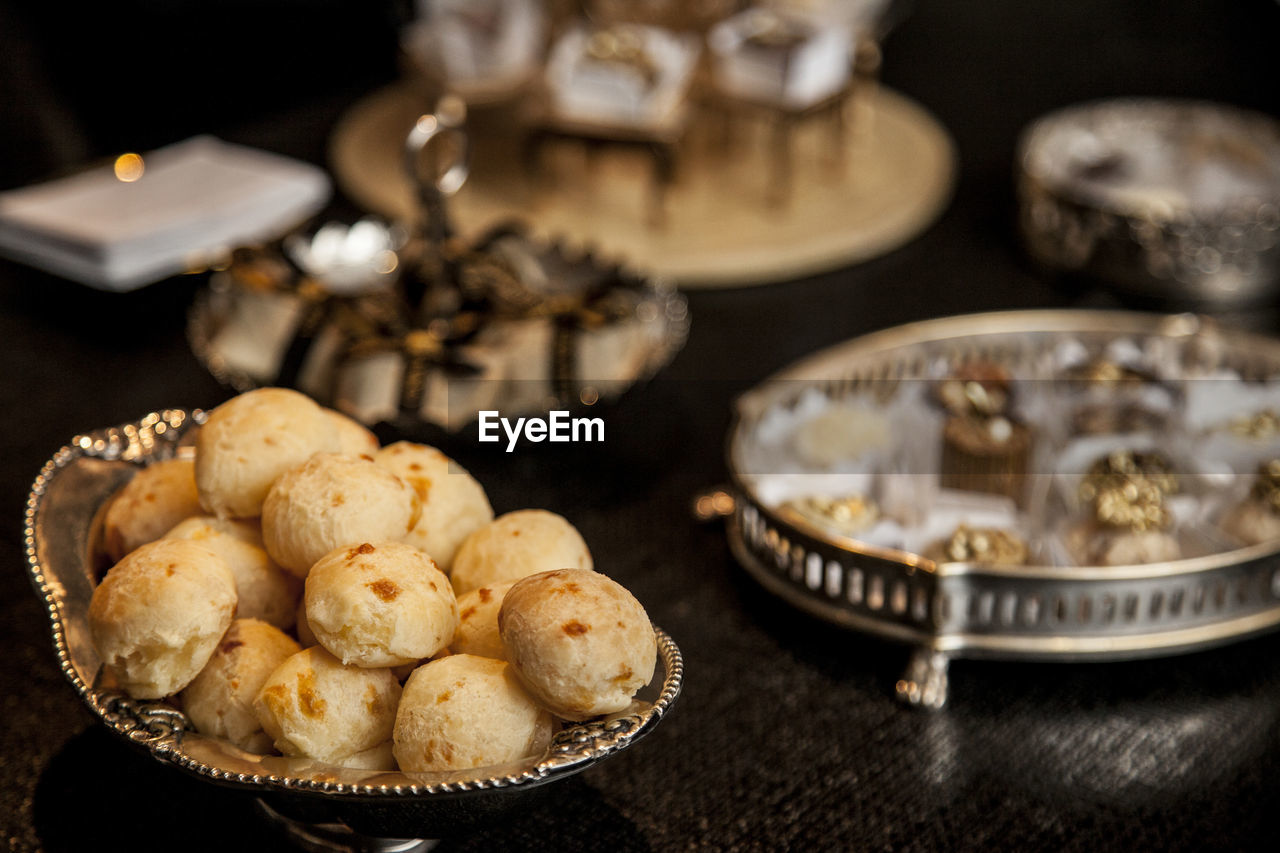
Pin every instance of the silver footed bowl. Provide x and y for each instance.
(63, 523)
(1165, 199)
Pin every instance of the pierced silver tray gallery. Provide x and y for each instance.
(971, 609)
(62, 520)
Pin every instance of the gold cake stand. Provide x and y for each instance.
(889, 180)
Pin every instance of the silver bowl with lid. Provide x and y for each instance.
(1164, 199)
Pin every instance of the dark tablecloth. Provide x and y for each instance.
(787, 735)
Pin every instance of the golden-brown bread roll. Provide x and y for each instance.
(313, 706)
(158, 615)
(354, 438)
(477, 632)
(220, 700)
(157, 498)
(517, 545)
(252, 439)
(331, 501)
(380, 604)
(453, 503)
(464, 711)
(264, 590)
(580, 642)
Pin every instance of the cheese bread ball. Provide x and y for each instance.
(581, 643)
(252, 439)
(464, 711)
(330, 501)
(220, 700)
(157, 498)
(354, 438)
(265, 591)
(517, 545)
(453, 503)
(477, 632)
(158, 615)
(313, 706)
(380, 604)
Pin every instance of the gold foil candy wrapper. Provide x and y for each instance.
(1104, 372)
(975, 390)
(1260, 426)
(846, 515)
(1121, 468)
(1126, 490)
(1133, 506)
(981, 545)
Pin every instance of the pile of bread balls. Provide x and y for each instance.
(298, 588)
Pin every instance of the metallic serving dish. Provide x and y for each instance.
(1177, 201)
(413, 324)
(971, 609)
(376, 809)
(599, 331)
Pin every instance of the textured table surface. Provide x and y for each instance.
(787, 735)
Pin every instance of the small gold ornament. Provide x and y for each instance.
(1127, 490)
(1123, 467)
(849, 514)
(984, 545)
(1260, 426)
(1104, 372)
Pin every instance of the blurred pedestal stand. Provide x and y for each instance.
(335, 837)
(889, 182)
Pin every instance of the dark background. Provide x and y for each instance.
(786, 736)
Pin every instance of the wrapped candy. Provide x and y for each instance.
(1131, 522)
(1256, 519)
(986, 447)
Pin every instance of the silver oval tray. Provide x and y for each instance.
(954, 609)
(62, 520)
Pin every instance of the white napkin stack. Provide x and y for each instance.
(194, 200)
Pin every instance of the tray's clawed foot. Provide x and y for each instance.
(924, 684)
